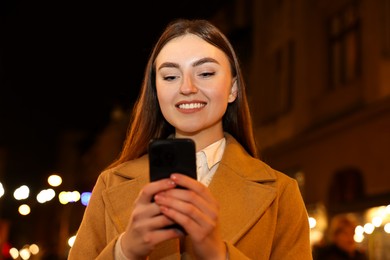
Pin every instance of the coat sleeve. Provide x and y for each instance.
(91, 241)
(292, 234)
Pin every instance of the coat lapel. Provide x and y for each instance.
(242, 202)
(120, 197)
(237, 185)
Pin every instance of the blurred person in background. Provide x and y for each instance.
(341, 244)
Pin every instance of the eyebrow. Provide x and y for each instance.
(195, 64)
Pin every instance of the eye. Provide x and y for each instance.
(206, 74)
(169, 77)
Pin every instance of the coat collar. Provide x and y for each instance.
(237, 185)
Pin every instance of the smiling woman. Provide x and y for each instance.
(193, 88)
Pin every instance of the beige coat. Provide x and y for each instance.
(262, 213)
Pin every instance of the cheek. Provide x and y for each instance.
(162, 93)
(164, 99)
(220, 95)
(165, 91)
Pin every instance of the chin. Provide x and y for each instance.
(187, 130)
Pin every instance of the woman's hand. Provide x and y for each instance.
(197, 211)
(145, 228)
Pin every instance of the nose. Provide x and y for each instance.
(188, 86)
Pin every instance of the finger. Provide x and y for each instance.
(144, 208)
(190, 183)
(152, 188)
(179, 199)
(161, 235)
(158, 222)
(195, 223)
(142, 238)
(193, 207)
(195, 193)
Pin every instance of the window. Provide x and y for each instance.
(279, 95)
(347, 185)
(344, 45)
(386, 27)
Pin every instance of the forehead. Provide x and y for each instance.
(189, 46)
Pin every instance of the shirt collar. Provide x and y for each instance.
(214, 152)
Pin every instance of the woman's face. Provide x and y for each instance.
(344, 239)
(194, 86)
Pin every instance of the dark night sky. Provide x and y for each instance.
(64, 64)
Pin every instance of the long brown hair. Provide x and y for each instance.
(147, 121)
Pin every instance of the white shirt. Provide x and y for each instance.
(207, 161)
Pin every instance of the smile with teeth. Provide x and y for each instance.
(191, 105)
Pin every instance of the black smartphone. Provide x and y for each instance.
(167, 156)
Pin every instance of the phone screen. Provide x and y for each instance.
(167, 156)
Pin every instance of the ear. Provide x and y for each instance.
(233, 92)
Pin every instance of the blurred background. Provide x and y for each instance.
(318, 76)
